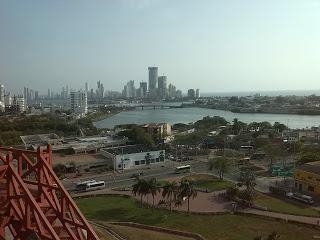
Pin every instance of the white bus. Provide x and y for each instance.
(95, 185)
(81, 186)
(183, 169)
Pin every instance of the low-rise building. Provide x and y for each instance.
(159, 129)
(133, 156)
(34, 141)
(307, 177)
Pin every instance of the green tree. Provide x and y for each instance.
(247, 179)
(220, 164)
(279, 127)
(272, 236)
(161, 156)
(232, 192)
(170, 190)
(186, 189)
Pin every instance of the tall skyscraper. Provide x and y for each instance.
(1, 93)
(171, 91)
(86, 88)
(162, 87)
(143, 89)
(153, 78)
(36, 95)
(100, 90)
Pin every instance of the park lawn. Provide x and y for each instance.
(285, 206)
(223, 227)
(131, 233)
(205, 181)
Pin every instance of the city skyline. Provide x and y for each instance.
(224, 47)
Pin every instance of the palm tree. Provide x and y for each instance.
(186, 189)
(139, 188)
(148, 159)
(220, 164)
(153, 189)
(170, 192)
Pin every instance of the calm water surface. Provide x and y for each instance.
(188, 115)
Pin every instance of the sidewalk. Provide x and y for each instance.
(284, 216)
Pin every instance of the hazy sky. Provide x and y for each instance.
(214, 45)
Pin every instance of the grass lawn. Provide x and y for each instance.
(222, 227)
(209, 182)
(285, 206)
(131, 233)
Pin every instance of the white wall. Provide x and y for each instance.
(130, 159)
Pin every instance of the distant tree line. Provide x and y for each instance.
(12, 128)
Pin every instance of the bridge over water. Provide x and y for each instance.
(155, 106)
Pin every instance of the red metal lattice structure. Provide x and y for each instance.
(33, 201)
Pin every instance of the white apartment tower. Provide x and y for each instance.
(78, 102)
(18, 101)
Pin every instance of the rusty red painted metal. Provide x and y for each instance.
(34, 201)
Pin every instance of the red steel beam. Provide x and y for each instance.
(35, 201)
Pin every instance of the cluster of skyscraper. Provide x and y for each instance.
(157, 88)
(30, 95)
(193, 93)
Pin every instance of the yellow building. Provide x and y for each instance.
(307, 177)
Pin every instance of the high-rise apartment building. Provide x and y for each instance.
(191, 93)
(198, 93)
(78, 102)
(153, 78)
(7, 99)
(132, 89)
(19, 103)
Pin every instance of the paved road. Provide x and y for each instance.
(126, 179)
(284, 216)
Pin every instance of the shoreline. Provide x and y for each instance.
(279, 111)
(103, 117)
